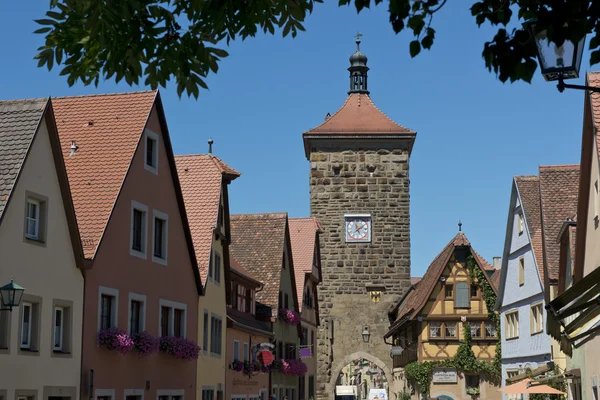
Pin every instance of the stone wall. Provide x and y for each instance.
(371, 181)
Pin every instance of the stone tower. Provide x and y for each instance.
(359, 191)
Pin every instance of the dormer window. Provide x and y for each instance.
(521, 224)
(151, 153)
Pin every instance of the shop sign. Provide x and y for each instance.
(444, 375)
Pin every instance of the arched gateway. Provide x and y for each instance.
(359, 191)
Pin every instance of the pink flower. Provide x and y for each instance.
(179, 348)
(115, 339)
(145, 344)
(290, 316)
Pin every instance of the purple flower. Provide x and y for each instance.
(179, 348)
(145, 344)
(289, 316)
(290, 367)
(115, 339)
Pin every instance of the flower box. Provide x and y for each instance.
(290, 317)
(115, 339)
(145, 344)
(179, 348)
(289, 367)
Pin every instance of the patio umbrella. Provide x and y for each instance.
(521, 388)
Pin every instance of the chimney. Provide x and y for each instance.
(74, 148)
(497, 261)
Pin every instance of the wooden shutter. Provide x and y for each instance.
(462, 295)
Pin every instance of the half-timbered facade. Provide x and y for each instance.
(429, 321)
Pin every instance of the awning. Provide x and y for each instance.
(538, 371)
(578, 309)
(527, 386)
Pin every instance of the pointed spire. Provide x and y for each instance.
(358, 69)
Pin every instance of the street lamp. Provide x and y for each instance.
(11, 295)
(366, 334)
(558, 62)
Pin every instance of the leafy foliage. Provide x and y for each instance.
(556, 383)
(182, 39)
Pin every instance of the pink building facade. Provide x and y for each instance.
(141, 271)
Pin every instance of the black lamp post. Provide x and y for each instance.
(11, 295)
(558, 62)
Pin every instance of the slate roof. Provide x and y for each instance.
(529, 193)
(303, 233)
(106, 129)
(257, 243)
(559, 188)
(19, 120)
(240, 270)
(416, 300)
(359, 115)
(201, 177)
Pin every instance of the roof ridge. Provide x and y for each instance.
(29, 100)
(385, 115)
(332, 115)
(560, 166)
(258, 215)
(107, 94)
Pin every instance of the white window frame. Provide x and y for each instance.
(246, 352)
(133, 392)
(115, 309)
(217, 316)
(172, 305)
(512, 328)
(148, 134)
(165, 237)
(144, 209)
(30, 305)
(236, 346)
(104, 393)
(539, 322)
(142, 299)
(62, 327)
(37, 218)
(205, 388)
(171, 393)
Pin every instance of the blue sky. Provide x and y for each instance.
(473, 132)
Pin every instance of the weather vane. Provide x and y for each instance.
(358, 36)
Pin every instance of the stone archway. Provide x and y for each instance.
(350, 358)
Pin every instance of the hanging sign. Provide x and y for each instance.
(444, 375)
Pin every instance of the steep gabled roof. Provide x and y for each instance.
(303, 233)
(528, 188)
(415, 301)
(19, 121)
(106, 129)
(202, 177)
(559, 186)
(237, 268)
(257, 243)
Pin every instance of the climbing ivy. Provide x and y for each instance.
(464, 360)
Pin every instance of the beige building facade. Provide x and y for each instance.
(40, 341)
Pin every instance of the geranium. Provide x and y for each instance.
(289, 316)
(115, 339)
(290, 367)
(179, 348)
(145, 344)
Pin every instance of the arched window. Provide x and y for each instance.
(462, 295)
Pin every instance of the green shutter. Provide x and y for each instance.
(462, 295)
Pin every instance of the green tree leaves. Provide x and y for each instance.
(160, 40)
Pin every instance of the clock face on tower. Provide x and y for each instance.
(357, 228)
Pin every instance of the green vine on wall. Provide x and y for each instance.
(464, 360)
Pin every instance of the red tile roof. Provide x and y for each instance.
(240, 270)
(594, 80)
(495, 279)
(303, 233)
(414, 280)
(559, 188)
(529, 193)
(415, 301)
(107, 130)
(359, 115)
(201, 177)
(257, 242)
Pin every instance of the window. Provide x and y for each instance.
(476, 330)
(312, 342)
(241, 298)
(450, 329)
(137, 313)
(139, 214)
(170, 394)
(471, 381)
(473, 290)
(596, 200)
(311, 387)
(134, 394)
(435, 329)
(304, 340)
(107, 308)
(521, 225)
(217, 268)
(512, 324)
(205, 332)
(301, 388)
(595, 387)
(105, 394)
(208, 394)
(490, 330)
(286, 303)
(252, 302)
(160, 243)
(521, 271)
(246, 352)
(236, 349)
(172, 318)
(59, 327)
(151, 159)
(32, 219)
(537, 320)
(216, 334)
(280, 299)
(462, 299)
(448, 290)
(26, 322)
(5, 318)
(280, 346)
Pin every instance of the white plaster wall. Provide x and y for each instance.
(46, 271)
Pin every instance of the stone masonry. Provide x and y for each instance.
(359, 176)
